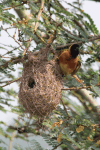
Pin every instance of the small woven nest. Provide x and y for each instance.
(41, 83)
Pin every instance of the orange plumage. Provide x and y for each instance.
(69, 61)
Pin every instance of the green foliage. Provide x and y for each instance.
(2, 142)
(50, 140)
(75, 131)
(39, 46)
(3, 148)
(35, 145)
(73, 124)
(90, 26)
(96, 89)
(29, 33)
(18, 147)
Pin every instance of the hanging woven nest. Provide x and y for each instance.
(41, 84)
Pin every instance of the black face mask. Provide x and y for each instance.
(74, 50)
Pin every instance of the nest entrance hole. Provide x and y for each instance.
(31, 82)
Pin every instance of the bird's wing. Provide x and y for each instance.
(77, 67)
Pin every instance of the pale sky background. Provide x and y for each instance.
(90, 7)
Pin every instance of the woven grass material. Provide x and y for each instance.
(41, 84)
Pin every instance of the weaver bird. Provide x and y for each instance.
(69, 61)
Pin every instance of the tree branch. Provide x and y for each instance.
(13, 60)
(85, 95)
(39, 15)
(57, 146)
(80, 42)
(24, 2)
(9, 82)
(77, 88)
(65, 109)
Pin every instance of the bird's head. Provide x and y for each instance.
(74, 50)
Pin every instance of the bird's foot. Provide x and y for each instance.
(77, 79)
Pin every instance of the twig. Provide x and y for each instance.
(14, 33)
(52, 38)
(18, 59)
(40, 37)
(25, 50)
(58, 23)
(22, 129)
(13, 60)
(86, 52)
(39, 15)
(49, 6)
(80, 42)
(1, 82)
(9, 82)
(37, 23)
(13, 37)
(74, 112)
(77, 88)
(4, 57)
(75, 21)
(12, 137)
(57, 146)
(65, 109)
(24, 2)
